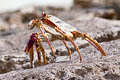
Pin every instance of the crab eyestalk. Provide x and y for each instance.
(44, 15)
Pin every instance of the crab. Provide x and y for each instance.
(51, 29)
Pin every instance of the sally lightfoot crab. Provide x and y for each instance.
(52, 28)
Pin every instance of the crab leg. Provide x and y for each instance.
(69, 51)
(66, 36)
(43, 52)
(31, 56)
(89, 39)
(44, 34)
(93, 42)
(38, 53)
(29, 48)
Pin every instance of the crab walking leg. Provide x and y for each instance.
(66, 36)
(69, 51)
(38, 53)
(44, 34)
(31, 56)
(93, 42)
(43, 52)
(89, 39)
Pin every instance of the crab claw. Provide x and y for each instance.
(33, 39)
(94, 43)
(29, 48)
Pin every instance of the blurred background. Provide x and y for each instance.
(15, 13)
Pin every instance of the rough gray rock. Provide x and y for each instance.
(94, 66)
(3, 25)
(103, 3)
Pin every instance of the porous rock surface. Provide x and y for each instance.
(93, 66)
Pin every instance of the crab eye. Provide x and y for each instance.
(31, 24)
(43, 14)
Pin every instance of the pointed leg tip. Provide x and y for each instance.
(70, 58)
(39, 63)
(45, 62)
(54, 57)
(31, 66)
(80, 59)
(104, 54)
